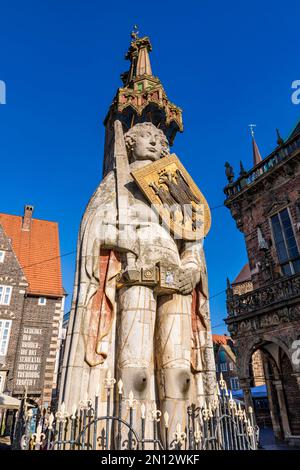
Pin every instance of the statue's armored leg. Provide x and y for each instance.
(173, 343)
(135, 331)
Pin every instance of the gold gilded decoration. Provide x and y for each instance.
(175, 197)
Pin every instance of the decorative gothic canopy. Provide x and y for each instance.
(142, 97)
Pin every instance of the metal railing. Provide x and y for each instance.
(222, 424)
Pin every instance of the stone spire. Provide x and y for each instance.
(142, 98)
(138, 54)
(256, 153)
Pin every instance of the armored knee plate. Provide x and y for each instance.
(137, 380)
(176, 382)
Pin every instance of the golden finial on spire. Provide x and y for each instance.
(256, 154)
(252, 129)
(135, 32)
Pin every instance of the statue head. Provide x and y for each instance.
(144, 141)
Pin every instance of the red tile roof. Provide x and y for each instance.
(220, 339)
(38, 253)
(243, 276)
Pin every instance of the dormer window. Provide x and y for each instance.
(42, 301)
(2, 256)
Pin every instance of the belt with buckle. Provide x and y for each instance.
(164, 278)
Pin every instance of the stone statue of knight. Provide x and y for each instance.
(155, 338)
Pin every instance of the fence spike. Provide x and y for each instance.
(29, 413)
(155, 414)
(215, 402)
(109, 380)
(166, 419)
(131, 402)
(222, 382)
(74, 408)
(197, 433)
(205, 412)
(179, 435)
(50, 421)
(143, 411)
(120, 387)
(38, 436)
(231, 401)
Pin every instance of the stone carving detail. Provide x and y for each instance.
(262, 322)
(278, 202)
(176, 198)
(281, 290)
(243, 288)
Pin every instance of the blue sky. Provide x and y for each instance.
(226, 64)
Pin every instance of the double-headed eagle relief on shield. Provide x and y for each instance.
(175, 197)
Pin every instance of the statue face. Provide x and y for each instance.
(148, 145)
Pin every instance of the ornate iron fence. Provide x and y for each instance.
(220, 425)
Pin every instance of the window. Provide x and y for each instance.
(2, 381)
(5, 295)
(2, 256)
(234, 383)
(285, 242)
(5, 326)
(231, 365)
(223, 366)
(42, 301)
(222, 356)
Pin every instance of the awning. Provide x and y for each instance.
(8, 402)
(259, 391)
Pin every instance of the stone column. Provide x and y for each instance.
(245, 386)
(297, 376)
(283, 409)
(273, 410)
(2, 421)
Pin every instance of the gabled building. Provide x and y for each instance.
(263, 303)
(225, 360)
(31, 306)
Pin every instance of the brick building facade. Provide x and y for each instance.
(31, 306)
(264, 305)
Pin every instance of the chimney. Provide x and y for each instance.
(28, 211)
